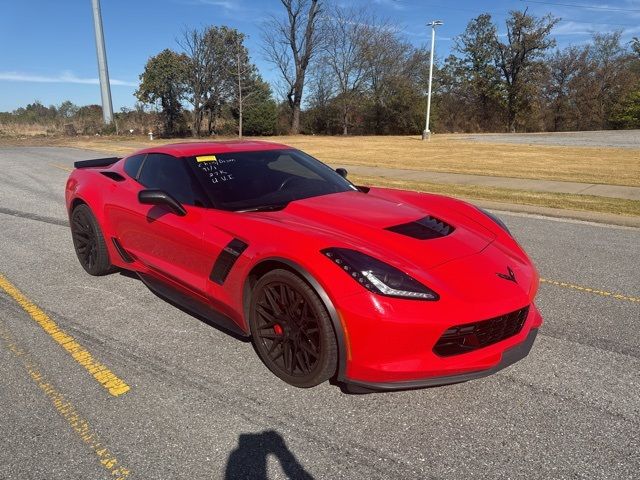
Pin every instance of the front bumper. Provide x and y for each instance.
(509, 357)
(393, 348)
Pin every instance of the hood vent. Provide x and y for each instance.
(426, 228)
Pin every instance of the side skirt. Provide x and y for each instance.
(192, 305)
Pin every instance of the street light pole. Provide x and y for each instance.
(103, 71)
(426, 135)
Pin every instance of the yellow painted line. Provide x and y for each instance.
(67, 410)
(61, 167)
(102, 374)
(603, 293)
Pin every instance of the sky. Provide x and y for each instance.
(47, 47)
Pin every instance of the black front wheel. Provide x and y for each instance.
(89, 243)
(291, 330)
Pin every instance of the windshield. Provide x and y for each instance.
(264, 179)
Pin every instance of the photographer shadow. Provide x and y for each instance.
(249, 459)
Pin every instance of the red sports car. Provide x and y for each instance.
(375, 288)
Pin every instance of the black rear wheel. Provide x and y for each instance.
(89, 243)
(291, 330)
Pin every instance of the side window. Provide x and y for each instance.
(169, 174)
(132, 165)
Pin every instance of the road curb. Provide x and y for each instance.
(597, 217)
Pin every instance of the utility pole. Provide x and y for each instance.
(103, 71)
(426, 135)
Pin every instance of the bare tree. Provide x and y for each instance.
(347, 32)
(244, 76)
(290, 44)
(392, 66)
(567, 71)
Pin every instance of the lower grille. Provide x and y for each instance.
(472, 336)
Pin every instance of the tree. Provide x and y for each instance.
(290, 44)
(478, 71)
(164, 81)
(244, 75)
(67, 110)
(527, 41)
(627, 113)
(611, 75)
(347, 32)
(567, 71)
(194, 43)
(635, 46)
(220, 85)
(261, 112)
(320, 113)
(395, 79)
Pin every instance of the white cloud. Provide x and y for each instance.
(573, 28)
(226, 4)
(395, 4)
(65, 77)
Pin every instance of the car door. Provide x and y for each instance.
(169, 244)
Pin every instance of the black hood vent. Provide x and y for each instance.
(424, 229)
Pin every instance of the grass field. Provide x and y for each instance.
(446, 153)
(567, 201)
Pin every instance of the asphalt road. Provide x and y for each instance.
(202, 406)
(604, 138)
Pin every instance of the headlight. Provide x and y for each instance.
(379, 277)
(496, 219)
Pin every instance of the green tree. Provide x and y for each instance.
(164, 82)
(478, 72)
(67, 110)
(528, 39)
(627, 113)
(261, 111)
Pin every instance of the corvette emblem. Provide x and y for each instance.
(508, 276)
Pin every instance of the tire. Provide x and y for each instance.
(89, 243)
(291, 330)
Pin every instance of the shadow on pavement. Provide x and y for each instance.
(249, 459)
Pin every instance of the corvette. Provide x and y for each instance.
(372, 288)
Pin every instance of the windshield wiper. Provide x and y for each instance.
(265, 208)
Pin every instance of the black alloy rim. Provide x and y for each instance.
(288, 328)
(84, 237)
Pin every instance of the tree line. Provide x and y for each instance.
(343, 70)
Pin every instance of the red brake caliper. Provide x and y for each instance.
(278, 329)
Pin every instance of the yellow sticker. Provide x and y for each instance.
(206, 158)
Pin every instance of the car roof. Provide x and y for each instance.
(189, 149)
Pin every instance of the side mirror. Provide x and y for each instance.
(160, 197)
(342, 172)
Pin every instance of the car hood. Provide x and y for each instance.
(361, 221)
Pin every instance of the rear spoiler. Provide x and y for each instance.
(96, 162)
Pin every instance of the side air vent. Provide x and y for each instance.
(113, 175)
(121, 251)
(226, 260)
(424, 229)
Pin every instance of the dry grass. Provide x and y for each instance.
(22, 130)
(521, 197)
(445, 153)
